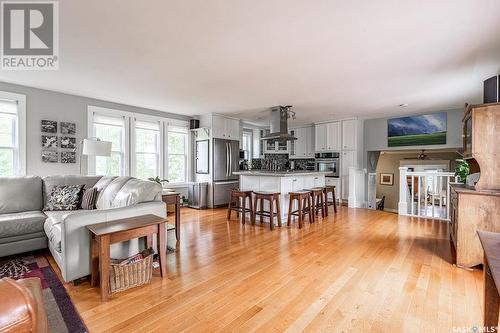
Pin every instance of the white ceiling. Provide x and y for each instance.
(329, 59)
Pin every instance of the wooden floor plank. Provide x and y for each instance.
(358, 270)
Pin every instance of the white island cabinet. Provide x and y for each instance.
(282, 182)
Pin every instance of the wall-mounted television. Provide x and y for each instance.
(422, 130)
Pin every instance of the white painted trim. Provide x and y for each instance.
(20, 130)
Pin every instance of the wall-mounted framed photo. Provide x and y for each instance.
(387, 179)
(49, 126)
(49, 141)
(68, 142)
(68, 128)
(68, 157)
(50, 156)
(429, 129)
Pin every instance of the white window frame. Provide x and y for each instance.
(161, 142)
(19, 147)
(91, 167)
(250, 149)
(129, 153)
(186, 153)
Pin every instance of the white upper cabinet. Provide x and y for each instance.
(303, 147)
(333, 136)
(349, 134)
(309, 150)
(225, 128)
(320, 137)
(327, 137)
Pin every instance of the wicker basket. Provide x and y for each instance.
(122, 277)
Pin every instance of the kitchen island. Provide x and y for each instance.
(282, 182)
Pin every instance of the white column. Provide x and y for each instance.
(403, 192)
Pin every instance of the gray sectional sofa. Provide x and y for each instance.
(25, 226)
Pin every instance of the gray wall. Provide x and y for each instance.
(45, 104)
(375, 137)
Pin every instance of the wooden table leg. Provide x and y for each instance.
(94, 260)
(162, 248)
(104, 266)
(178, 218)
(148, 241)
(491, 299)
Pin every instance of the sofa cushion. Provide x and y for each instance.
(52, 226)
(18, 238)
(108, 193)
(15, 224)
(127, 191)
(20, 194)
(50, 181)
(89, 198)
(136, 191)
(64, 197)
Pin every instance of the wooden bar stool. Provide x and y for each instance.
(330, 189)
(304, 206)
(319, 201)
(274, 200)
(237, 202)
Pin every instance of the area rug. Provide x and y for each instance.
(61, 312)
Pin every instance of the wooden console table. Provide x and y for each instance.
(491, 272)
(106, 233)
(174, 198)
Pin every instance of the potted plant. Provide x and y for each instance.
(462, 169)
(158, 180)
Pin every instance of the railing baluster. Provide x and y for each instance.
(412, 193)
(419, 195)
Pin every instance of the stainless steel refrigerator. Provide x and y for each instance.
(226, 161)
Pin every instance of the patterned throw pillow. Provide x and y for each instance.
(89, 198)
(64, 197)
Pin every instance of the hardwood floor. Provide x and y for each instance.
(359, 271)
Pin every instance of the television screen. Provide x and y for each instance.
(417, 130)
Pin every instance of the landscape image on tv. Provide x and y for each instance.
(417, 130)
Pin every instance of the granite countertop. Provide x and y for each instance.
(462, 188)
(279, 173)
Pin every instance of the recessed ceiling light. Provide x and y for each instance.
(403, 105)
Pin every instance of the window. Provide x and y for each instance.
(147, 149)
(143, 146)
(12, 134)
(177, 156)
(247, 144)
(112, 129)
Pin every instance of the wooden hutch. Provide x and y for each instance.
(477, 208)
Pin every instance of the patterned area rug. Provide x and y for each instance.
(61, 312)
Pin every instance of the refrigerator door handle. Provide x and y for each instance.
(227, 159)
(230, 160)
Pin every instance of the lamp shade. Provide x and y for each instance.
(96, 147)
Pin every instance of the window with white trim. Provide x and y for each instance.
(247, 144)
(147, 148)
(143, 146)
(112, 129)
(12, 134)
(176, 154)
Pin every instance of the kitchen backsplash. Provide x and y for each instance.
(282, 161)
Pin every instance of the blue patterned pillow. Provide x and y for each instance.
(64, 197)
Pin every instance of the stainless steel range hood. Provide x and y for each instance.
(279, 124)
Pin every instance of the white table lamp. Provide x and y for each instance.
(94, 147)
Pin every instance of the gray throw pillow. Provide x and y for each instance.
(64, 197)
(89, 198)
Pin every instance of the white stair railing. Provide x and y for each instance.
(425, 194)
